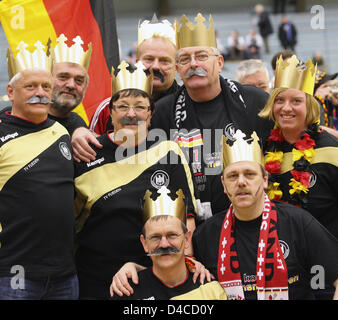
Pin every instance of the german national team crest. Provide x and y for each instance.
(65, 150)
(229, 131)
(285, 248)
(159, 179)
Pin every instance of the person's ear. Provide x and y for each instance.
(144, 244)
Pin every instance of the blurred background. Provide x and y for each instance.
(314, 37)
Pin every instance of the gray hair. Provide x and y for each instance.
(248, 67)
(12, 82)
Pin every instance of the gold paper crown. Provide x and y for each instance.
(242, 150)
(137, 79)
(290, 73)
(74, 54)
(188, 35)
(147, 29)
(164, 205)
(28, 60)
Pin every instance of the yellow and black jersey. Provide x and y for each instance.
(109, 193)
(36, 198)
(150, 287)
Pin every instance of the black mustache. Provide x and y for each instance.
(130, 121)
(37, 99)
(156, 73)
(160, 251)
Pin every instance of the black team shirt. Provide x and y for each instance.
(36, 198)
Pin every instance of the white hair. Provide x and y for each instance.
(248, 67)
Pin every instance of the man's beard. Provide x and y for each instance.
(62, 105)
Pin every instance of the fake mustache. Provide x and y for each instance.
(195, 72)
(160, 251)
(130, 121)
(157, 74)
(37, 99)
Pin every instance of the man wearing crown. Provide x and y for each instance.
(109, 189)
(36, 187)
(70, 80)
(156, 48)
(262, 249)
(258, 248)
(164, 238)
(204, 108)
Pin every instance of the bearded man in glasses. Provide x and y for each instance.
(109, 189)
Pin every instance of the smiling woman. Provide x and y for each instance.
(301, 158)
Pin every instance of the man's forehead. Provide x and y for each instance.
(190, 50)
(42, 75)
(157, 222)
(132, 99)
(242, 166)
(153, 44)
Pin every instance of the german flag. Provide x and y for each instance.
(92, 20)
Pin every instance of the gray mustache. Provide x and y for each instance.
(130, 121)
(37, 99)
(195, 72)
(160, 251)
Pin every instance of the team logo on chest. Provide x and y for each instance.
(285, 248)
(229, 131)
(159, 179)
(313, 179)
(65, 150)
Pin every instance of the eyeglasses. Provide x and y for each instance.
(137, 109)
(201, 56)
(171, 237)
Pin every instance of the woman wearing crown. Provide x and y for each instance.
(109, 189)
(302, 159)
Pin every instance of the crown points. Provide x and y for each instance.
(22, 46)
(148, 29)
(154, 19)
(27, 60)
(200, 19)
(61, 39)
(242, 150)
(123, 65)
(291, 73)
(190, 35)
(74, 54)
(239, 135)
(78, 41)
(164, 205)
(39, 46)
(136, 79)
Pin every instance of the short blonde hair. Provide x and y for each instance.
(312, 107)
(139, 51)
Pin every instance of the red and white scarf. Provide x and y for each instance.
(271, 270)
